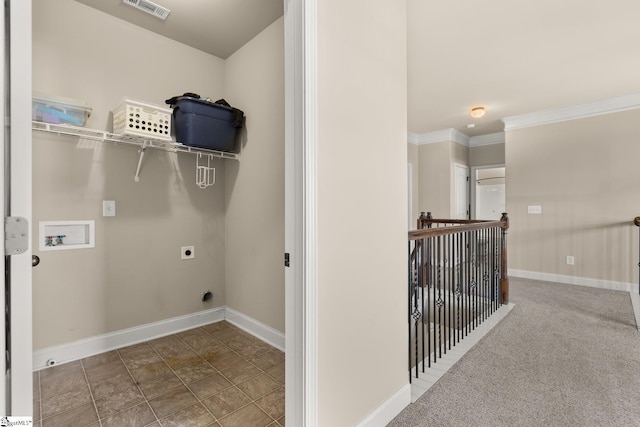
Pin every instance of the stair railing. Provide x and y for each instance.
(636, 221)
(457, 279)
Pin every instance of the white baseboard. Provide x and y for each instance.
(573, 280)
(102, 343)
(389, 409)
(635, 302)
(265, 332)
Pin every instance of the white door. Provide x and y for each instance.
(15, 172)
(489, 196)
(461, 191)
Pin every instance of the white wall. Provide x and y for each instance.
(413, 159)
(362, 207)
(133, 275)
(584, 174)
(255, 185)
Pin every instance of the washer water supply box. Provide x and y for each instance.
(200, 123)
(59, 110)
(140, 119)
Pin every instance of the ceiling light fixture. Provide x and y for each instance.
(477, 112)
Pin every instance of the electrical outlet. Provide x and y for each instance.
(108, 208)
(187, 252)
(570, 260)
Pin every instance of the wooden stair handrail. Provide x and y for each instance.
(461, 226)
(464, 225)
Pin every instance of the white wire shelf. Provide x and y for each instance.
(141, 142)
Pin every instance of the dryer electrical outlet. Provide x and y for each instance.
(187, 252)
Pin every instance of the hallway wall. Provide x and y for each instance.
(483, 155)
(361, 209)
(436, 175)
(584, 173)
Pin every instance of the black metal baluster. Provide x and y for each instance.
(458, 287)
(485, 275)
(443, 293)
(446, 305)
(439, 300)
(464, 284)
(499, 244)
(410, 282)
(428, 302)
(476, 279)
(449, 292)
(481, 277)
(416, 313)
(498, 266)
(467, 283)
(490, 270)
(422, 283)
(494, 294)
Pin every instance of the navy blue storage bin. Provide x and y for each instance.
(200, 123)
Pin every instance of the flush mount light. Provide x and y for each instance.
(477, 112)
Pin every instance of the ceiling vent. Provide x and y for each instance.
(149, 7)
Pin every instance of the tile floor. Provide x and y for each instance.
(215, 375)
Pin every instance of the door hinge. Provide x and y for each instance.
(16, 235)
(286, 259)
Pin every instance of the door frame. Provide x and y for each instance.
(472, 178)
(457, 166)
(300, 207)
(17, 203)
(301, 346)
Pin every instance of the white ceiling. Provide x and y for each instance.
(516, 57)
(219, 27)
(513, 57)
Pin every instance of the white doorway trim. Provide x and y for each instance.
(301, 369)
(17, 200)
(459, 183)
(472, 184)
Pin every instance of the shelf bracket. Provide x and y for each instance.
(141, 152)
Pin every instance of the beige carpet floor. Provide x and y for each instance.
(565, 356)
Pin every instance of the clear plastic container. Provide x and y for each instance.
(59, 110)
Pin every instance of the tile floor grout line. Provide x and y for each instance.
(230, 335)
(40, 396)
(252, 401)
(135, 382)
(86, 378)
(185, 384)
(218, 372)
(42, 418)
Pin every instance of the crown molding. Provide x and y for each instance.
(413, 138)
(459, 137)
(438, 136)
(489, 139)
(573, 112)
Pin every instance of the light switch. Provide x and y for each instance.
(108, 208)
(534, 209)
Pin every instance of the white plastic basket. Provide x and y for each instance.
(140, 119)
